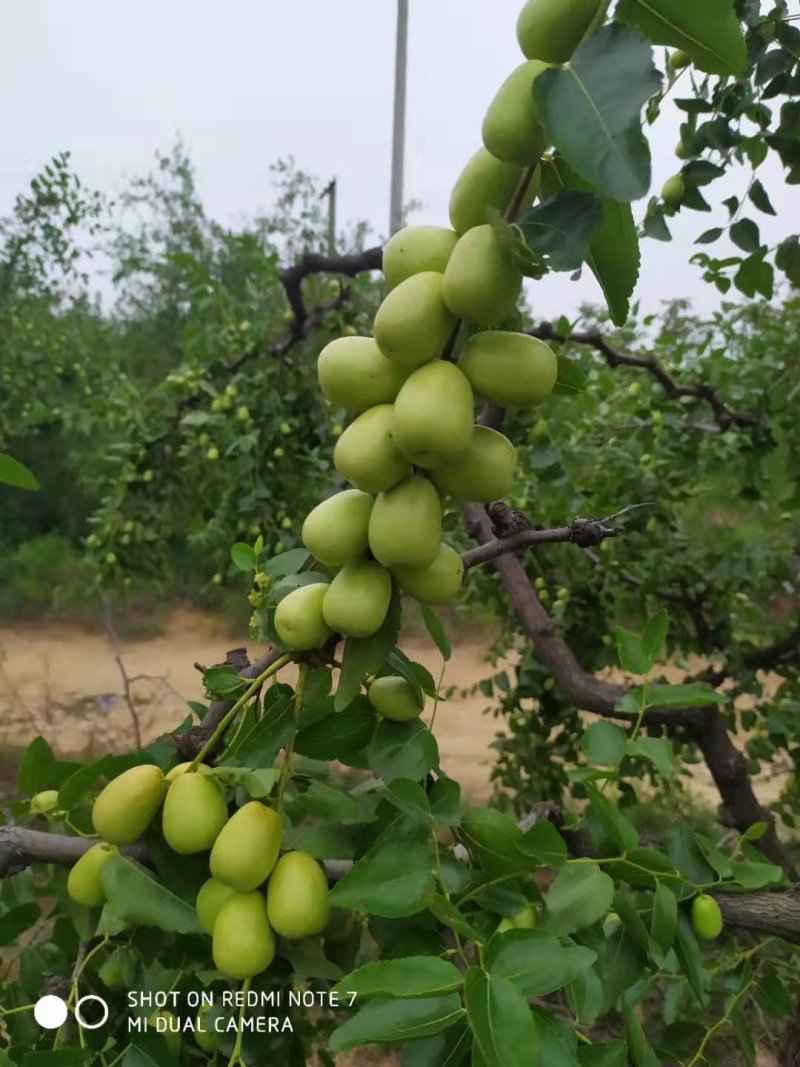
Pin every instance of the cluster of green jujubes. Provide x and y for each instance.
(413, 440)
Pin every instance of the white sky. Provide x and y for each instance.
(245, 82)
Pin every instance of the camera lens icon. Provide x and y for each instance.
(51, 1012)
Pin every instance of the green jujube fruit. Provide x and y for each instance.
(83, 882)
(437, 583)
(486, 184)
(679, 59)
(706, 917)
(112, 972)
(128, 804)
(297, 896)
(194, 813)
(205, 1034)
(551, 30)
(413, 325)
(523, 920)
(335, 532)
(483, 473)
(434, 414)
(163, 1022)
(481, 284)
(210, 898)
(355, 374)
(45, 801)
(182, 768)
(674, 190)
(298, 617)
(247, 847)
(509, 369)
(366, 453)
(511, 129)
(395, 699)
(405, 527)
(416, 249)
(358, 599)
(243, 944)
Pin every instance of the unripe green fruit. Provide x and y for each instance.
(335, 532)
(437, 583)
(355, 374)
(243, 944)
(128, 804)
(706, 917)
(45, 801)
(366, 453)
(297, 896)
(247, 847)
(405, 528)
(434, 414)
(679, 59)
(194, 813)
(413, 324)
(358, 599)
(210, 898)
(525, 919)
(299, 621)
(504, 926)
(205, 1035)
(484, 184)
(112, 972)
(674, 190)
(395, 698)
(510, 369)
(551, 30)
(416, 249)
(83, 882)
(511, 129)
(161, 1022)
(483, 473)
(481, 283)
(681, 151)
(182, 768)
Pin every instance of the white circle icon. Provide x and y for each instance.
(85, 1000)
(50, 1012)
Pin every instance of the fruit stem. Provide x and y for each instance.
(227, 719)
(288, 753)
(519, 193)
(236, 1055)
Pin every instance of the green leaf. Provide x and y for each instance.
(656, 750)
(256, 783)
(259, 746)
(447, 1049)
(134, 895)
(392, 1021)
(754, 832)
(603, 1054)
(536, 962)
(12, 472)
(409, 797)
(639, 1048)
(35, 767)
(448, 914)
(560, 227)
(558, 1045)
(664, 919)
(787, 259)
(402, 750)
(17, 920)
(415, 976)
(340, 736)
(691, 958)
(710, 236)
(571, 379)
(60, 1057)
(445, 802)
(149, 1049)
(683, 696)
(774, 998)
(654, 635)
(745, 235)
(590, 109)
(435, 628)
(492, 838)
(291, 562)
(580, 895)
(500, 1020)
(632, 655)
(751, 875)
(709, 32)
(390, 880)
(617, 827)
(308, 959)
(544, 844)
(243, 557)
(366, 655)
(604, 743)
(331, 802)
(755, 276)
(224, 683)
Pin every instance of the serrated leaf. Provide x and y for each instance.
(445, 801)
(787, 259)
(35, 767)
(402, 750)
(656, 750)
(639, 1048)
(390, 880)
(760, 198)
(571, 380)
(755, 276)
(436, 630)
(536, 962)
(591, 107)
(745, 235)
(559, 229)
(393, 1021)
(500, 1019)
(692, 695)
(604, 743)
(664, 919)
(415, 976)
(579, 895)
(709, 31)
(544, 844)
(243, 557)
(16, 474)
(134, 895)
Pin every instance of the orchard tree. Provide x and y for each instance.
(234, 850)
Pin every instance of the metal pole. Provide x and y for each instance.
(399, 135)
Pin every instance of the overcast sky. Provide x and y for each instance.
(246, 82)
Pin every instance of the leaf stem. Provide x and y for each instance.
(236, 1055)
